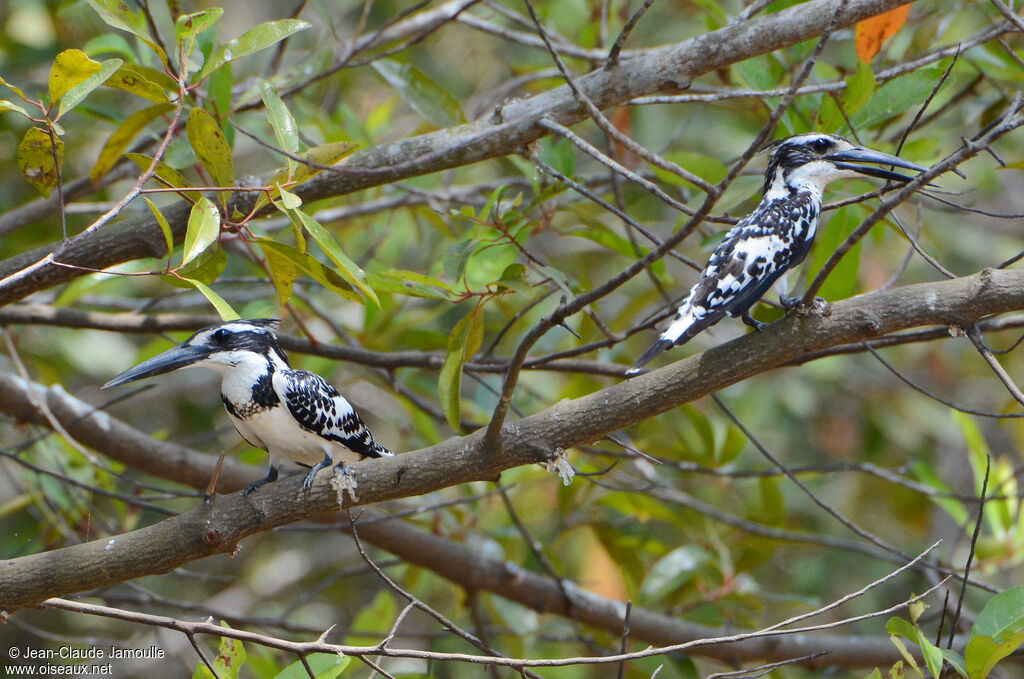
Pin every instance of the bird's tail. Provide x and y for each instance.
(684, 327)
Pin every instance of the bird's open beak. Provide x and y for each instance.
(172, 359)
(850, 159)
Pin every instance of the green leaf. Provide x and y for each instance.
(282, 272)
(411, 283)
(842, 282)
(983, 652)
(164, 227)
(110, 43)
(349, 270)
(203, 229)
(123, 136)
(895, 98)
(859, 88)
(324, 666)
(118, 14)
(35, 158)
(6, 105)
(76, 94)
(70, 68)
(954, 660)
(222, 307)
(449, 381)
(189, 26)
(932, 654)
(455, 259)
(1002, 616)
(206, 268)
(707, 168)
(17, 90)
(326, 276)
(131, 79)
(374, 617)
(671, 572)
(212, 149)
(253, 40)
(420, 92)
(282, 122)
(952, 506)
(230, 656)
(288, 199)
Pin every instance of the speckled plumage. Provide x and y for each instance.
(772, 239)
(292, 414)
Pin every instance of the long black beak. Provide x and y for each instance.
(847, 160)
(172, 359)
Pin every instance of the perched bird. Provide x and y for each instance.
(292, 414)
(775, 237)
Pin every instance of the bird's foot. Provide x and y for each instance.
(752, 322)
(819, 306)
(271, 476)
(310, 477)
(345, 481)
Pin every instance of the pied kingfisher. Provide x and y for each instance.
(292, 414)
(775, 237)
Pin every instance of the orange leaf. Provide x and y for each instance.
(872, 33)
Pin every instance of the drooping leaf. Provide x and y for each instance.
(282, 122)
(203, 229)
(872, 33)
(346, 267)
(165, 228)
(282, 273)
(16, 90)
(212, 149)
(119, 14)
(842, 282)
(326, 276)
(460, 348)
(76, 94)
(123, 136)
(131, 79)
(253, 40)
(35, 158)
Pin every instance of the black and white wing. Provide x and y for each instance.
(754, 254)
(318, 407)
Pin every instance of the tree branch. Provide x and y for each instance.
(218, 526)
(509, 130)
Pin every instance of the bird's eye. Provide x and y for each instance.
(221, 336)
(821, 145)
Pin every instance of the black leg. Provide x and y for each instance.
(789, 303)
(749, 320)
(269, 478)
(307, 481)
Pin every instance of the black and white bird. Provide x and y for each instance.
(292, 414)
(775, 237)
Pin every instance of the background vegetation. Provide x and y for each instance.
(496, 245)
